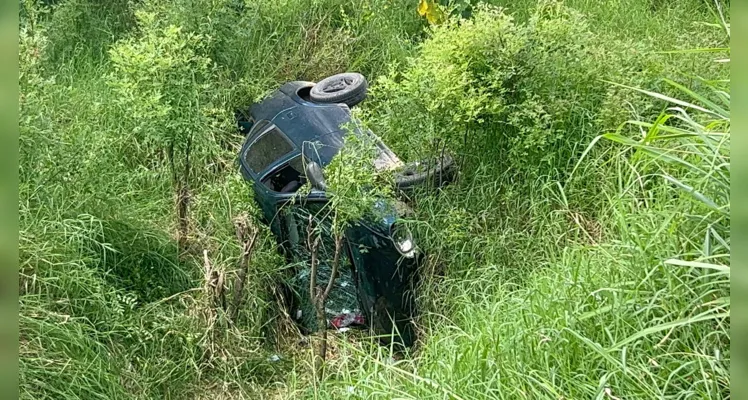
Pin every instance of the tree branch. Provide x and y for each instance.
(247, 241)
(335, 266)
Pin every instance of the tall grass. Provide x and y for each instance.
(577, 256)
(111, 305)
(642, 311)
(538, 289)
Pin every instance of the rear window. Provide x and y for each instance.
(268, 148)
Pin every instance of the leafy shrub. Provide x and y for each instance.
(161, 79)
(488, 70)
(354, 184)
(524, 97)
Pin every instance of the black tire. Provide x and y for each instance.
(439, 172)
(348, 88)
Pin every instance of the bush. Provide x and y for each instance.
(161, 78)
(525, 97)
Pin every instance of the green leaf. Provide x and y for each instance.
(720, 111)
(667, 98)
(697, 264)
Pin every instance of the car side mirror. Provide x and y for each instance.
(315, 176)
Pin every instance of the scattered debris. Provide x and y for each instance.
(347, 319)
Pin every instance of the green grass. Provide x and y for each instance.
(583, 252)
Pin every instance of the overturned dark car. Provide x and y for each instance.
(291, 136)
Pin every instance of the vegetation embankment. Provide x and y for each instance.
(583, 252)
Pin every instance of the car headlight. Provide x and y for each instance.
(403, 240)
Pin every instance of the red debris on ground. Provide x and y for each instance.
(347, 319)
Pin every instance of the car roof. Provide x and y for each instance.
(315, 129)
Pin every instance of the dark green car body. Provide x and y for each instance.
(283, 133)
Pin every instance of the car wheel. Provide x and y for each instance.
(437, 172)
(348, 88)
